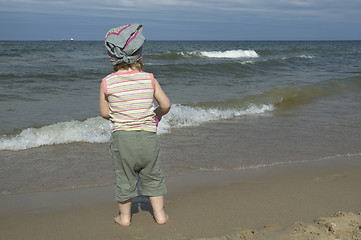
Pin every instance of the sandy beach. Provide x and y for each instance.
(318, 200)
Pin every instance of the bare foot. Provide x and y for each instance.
(161, 219)
(122, 220)
(159, 214)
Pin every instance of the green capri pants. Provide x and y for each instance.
(136, 158)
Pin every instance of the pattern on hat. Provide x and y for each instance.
(124, 44)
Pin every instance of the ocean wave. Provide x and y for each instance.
(307, 56)
(230, 54)
(238, 53)
(304, 56)
(186, 116)
(292, 96)
(97, 130)
(247, 62)
(92, 130)
(289, 96)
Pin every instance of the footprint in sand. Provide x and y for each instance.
(329, 178)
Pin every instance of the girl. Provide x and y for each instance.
(126, 99)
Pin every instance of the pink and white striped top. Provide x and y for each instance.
(130, 96)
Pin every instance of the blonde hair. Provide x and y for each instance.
(137, 65)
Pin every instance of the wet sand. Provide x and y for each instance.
(279, 202)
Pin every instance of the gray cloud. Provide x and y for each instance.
(255, 17)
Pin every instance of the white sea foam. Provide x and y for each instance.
(307, 56)
(300, 56)
(91, 130)
(97, 130)
(230, 54)
(185, 116)
(247, 62)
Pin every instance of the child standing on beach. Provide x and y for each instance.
(126, 99)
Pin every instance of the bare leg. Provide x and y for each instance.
(158, 209)
(125, 213)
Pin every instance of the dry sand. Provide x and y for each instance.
(283, 202)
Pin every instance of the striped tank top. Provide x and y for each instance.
(130, 96)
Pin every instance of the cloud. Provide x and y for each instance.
(282, 8)
(196, 16)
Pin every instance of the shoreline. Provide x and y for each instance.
(267, 201)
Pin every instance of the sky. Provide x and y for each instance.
(182, 19)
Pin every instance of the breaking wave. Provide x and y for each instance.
(97, 130)
(238, 53)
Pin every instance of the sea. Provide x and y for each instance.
(236, 106)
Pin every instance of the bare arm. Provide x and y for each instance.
(162, 100)
(103, 104)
